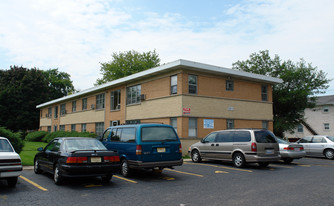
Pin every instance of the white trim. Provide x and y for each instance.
(172, 65)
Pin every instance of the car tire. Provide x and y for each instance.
(37, 169)
(195, 156)
(239, 160)
(57, 176)
(106, 178)
(263, 164)
(12, 181)
(287, 160)
(125, 170)
(329, 154)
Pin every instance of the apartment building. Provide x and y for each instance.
(194, 98)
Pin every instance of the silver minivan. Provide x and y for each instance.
(241, 146)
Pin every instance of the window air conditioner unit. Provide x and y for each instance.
(92, 106)
(142, 97)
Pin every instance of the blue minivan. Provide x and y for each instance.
(148, 146)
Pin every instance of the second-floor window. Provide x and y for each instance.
(173, 84)
(74, 106)
(229, 85)
(264, 93)
(192, 84)
(133, 94)
(100, 101)
(62, 109)
(56, 113)
(115, 100)
(325, 109)
(50, 112)
(84, 103)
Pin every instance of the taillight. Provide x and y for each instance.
(111, 159)
(180, 148)
(254, 147)
(138, 150)
(77, 160)
(301, 148)
(289, 148)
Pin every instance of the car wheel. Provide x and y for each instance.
(239, 160)
(57, 177)
(329, 154)
(37, 169)
(195, 156)
(288, 160)
(125, 170)
(12, 181)
(263, 164)
(106, 178)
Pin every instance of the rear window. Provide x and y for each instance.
(264, 137)
(158, 134)
(5, 146)
(83, 144)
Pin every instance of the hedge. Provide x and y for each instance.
(14, 138)
(36, 136)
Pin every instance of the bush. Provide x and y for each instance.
(51, 136)
(14, 138)
(36, 136)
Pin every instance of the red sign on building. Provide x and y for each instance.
(186, 110)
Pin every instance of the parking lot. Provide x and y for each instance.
(308, 181)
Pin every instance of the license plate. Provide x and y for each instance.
(297, 149)
(95, 159)
(161, 149)
(269, 151)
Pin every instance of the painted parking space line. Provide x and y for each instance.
(210, 165)
(125, 179)
(302, 165)
(187, 173)
(281, 166)
(220, 172)
(33, 183)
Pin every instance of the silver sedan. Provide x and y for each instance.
(290, 151)
(318, 145)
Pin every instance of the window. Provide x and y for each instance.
(158, 134)
(106, 135)
(229, 85)
(84, 103)
(83, 127)
(62, 109)
(265, 124)
(56, 112)
(300, 128)
(99, 128)
(224, 137)
(242, 136)
(133, 94)
(115, 100)
(192, 132)
(211, 137)
(264, 137)
(325, 109)
(319, 140)
(192, 83)
(115, 135)
(50, 112)
(264, 93)
(49, 128)
(100, 101)
(74, 106)
(61, 127)
(173, 84)
(326, 126)
(173, 122)
(305, 140)
(55, 127)
(132, 121)
(230, 123)
(128, 135)
(73, 127)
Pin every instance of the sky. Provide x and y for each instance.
(76, 36)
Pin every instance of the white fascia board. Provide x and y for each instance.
(186, 64)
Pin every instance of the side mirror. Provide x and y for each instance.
(202, 141)
(40, 149)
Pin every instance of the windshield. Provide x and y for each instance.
(5, 146)
(330, 138)
(264, 137)
(282, 141)
(83, 144)
(158, 134)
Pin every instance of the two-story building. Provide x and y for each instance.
(194, 98)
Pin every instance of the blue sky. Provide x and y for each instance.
(76, 35)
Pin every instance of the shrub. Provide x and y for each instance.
(51, 136)
(14, 138)
(36, 136)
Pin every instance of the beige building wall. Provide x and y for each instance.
(90, 116)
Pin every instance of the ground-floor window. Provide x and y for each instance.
(230, 124)
(173, 122)
(192, 131)
(265, 124)
(55, 127)
(99, 128)
(114, 123)
(83, 127)
(49, 128)
(73, 127)
(132, 121)
(61, 127)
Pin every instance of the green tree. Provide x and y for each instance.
(301, 83)
(126, 63)
(60, 83)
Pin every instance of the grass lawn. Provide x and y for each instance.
(28, 152)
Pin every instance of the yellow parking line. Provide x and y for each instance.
(33, 183)
(219, 172)
(209, 165)
(282, 166)
(122, 178)
(187, 173)
(302, 165)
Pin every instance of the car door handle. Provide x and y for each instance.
(217, 145)
(212, 145)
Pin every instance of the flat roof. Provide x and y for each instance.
(170, 66)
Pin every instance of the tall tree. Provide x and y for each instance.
(21, 89)
(301, 83)
(60, 83)
(126, 63)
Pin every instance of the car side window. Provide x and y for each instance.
(50, 147)
(114, 137)
(128, 135)
(306, 140)
(318, 140)
(242, 136)
(210, 138)
(106, 135)
(225, 137)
